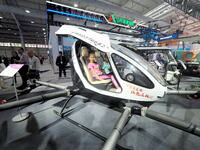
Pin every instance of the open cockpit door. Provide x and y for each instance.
(100, 41)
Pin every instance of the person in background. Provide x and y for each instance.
(34, 65)
(35, 54)
(41, 59)
(24, 70)
(14, 59)
(61, 62)
(2, 67)
(5, 61)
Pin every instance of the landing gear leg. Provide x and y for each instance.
(119, 126)
(61, 113)
(179, 80)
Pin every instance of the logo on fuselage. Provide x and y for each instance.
(95, 43)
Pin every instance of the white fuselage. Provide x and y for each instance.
(129, 90)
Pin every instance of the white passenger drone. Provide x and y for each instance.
(110, 73)
(107, 72)
(128, 76)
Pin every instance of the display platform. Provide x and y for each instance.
(45, 130)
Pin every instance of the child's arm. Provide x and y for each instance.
(92, 72)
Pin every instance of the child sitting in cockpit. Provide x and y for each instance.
(97, 74)
(106, 66)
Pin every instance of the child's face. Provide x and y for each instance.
(92, 58)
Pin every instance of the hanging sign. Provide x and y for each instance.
(169, 37)
(122, 21)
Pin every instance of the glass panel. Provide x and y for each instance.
(130, 73)
(154, 72)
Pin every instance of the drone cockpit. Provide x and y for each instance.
(96, 67)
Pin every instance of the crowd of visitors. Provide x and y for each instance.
(31, 66)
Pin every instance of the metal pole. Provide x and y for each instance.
(174, 122)
(112, 140)
(53, 85)
(16, 94)
(19, 28)
(178, 92)
(21, 116)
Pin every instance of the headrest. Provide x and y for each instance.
(97, 54)
(84, 51)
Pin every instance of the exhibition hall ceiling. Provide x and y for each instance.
(174, 19)
(124, 8)
(31, 16)
(154, 12)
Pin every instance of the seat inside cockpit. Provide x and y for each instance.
(83, 52)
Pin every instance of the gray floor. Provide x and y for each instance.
(44, 130)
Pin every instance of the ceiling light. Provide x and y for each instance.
(27, 11)
(1, 17)
(75, 5)
(15, 33)
(68, 19)
(44, 32)
(129, 30)
(32, 22)
(43, 29)
(190, 10)
(9, 29)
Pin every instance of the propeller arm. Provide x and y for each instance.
(171, 121)
(32, 100)
(181, 92)
(53, 85)
(111, 142)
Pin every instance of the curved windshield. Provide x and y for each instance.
(130, 73)
(143, 63)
